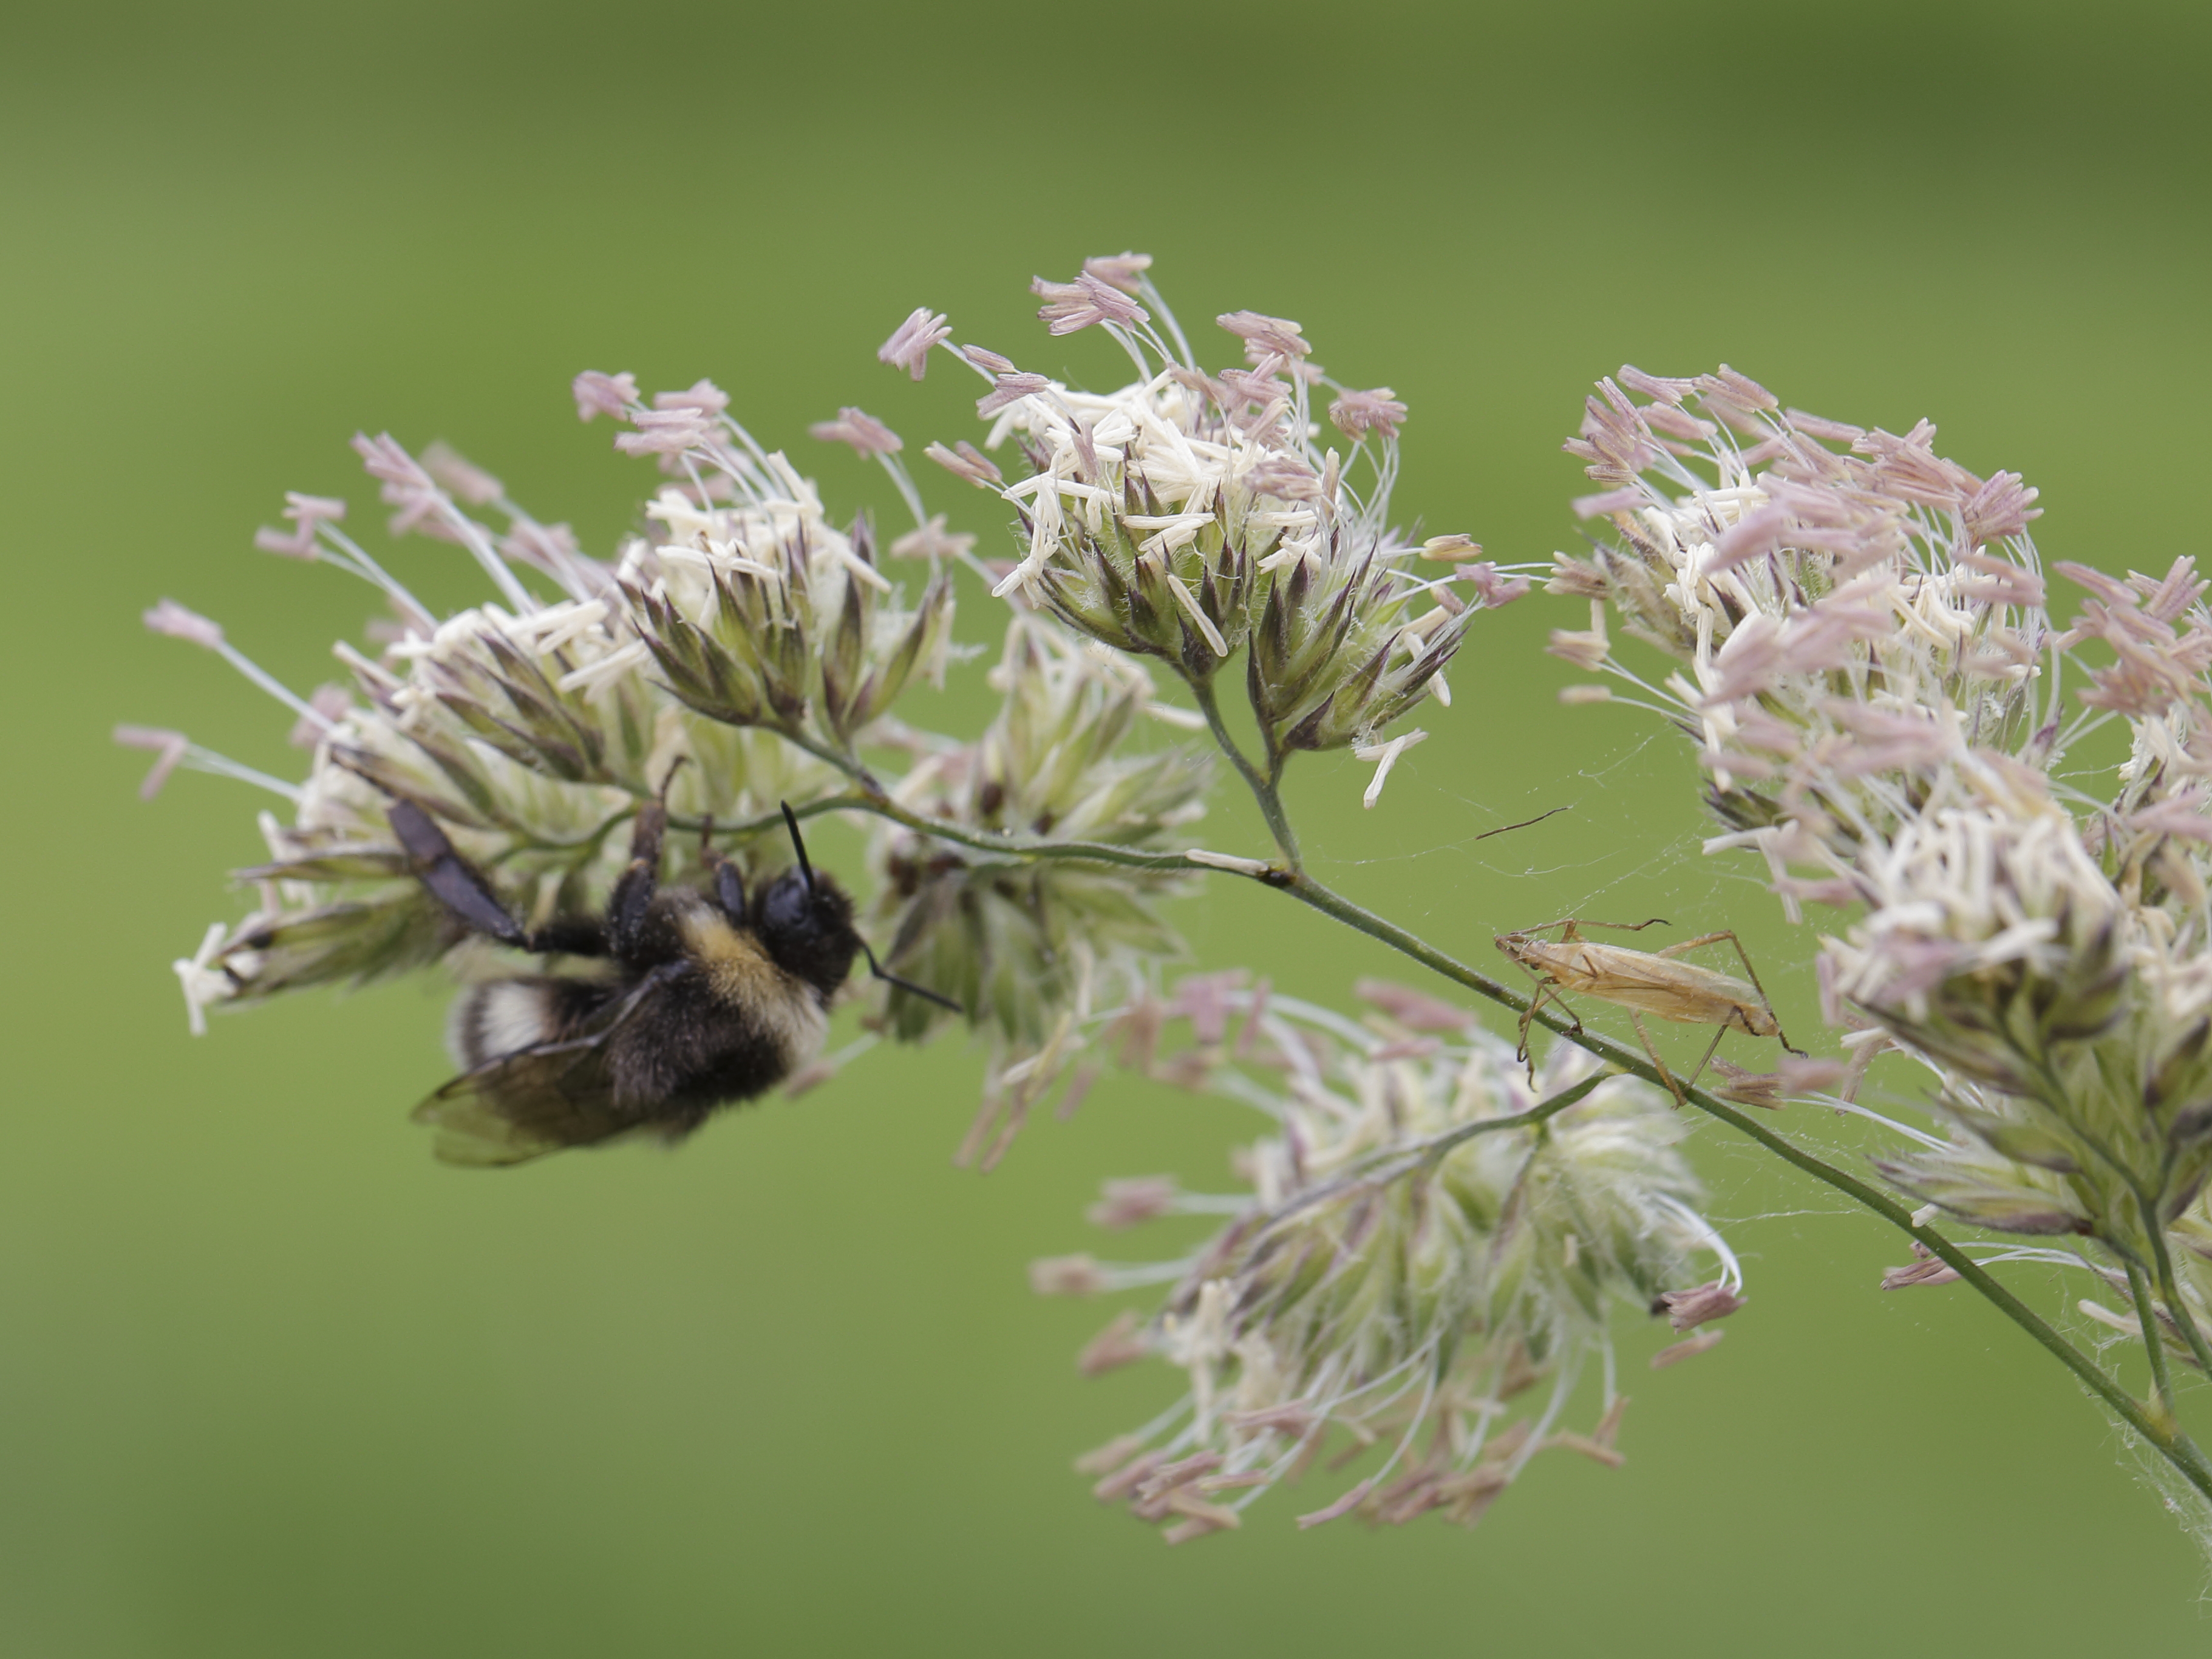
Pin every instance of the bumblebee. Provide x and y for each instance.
(714, 996)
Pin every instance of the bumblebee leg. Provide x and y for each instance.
(633, 889)
(569, 936)
(452, 879)
(729, 880)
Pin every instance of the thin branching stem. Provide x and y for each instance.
(842, 759)
(2169, 1286)
(2162, 1385)
(1263, 785)
(2154, 1423)
(2156, 1427)
(1427, 1154)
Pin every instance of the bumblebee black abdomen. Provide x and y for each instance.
(506, 1016)
(693, 1049)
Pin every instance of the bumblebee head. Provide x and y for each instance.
(805, 922)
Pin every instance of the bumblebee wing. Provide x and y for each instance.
(526, 1104)
(541, 1099)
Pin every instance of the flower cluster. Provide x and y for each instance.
(1038, 949)
(1428, 1237)
(742, 653)
(742, 650)
(1877, 692)
(1851, 607)
(1193, 514)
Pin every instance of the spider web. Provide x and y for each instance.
(1628, 845)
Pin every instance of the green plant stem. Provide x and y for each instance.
(2161, 1265)
(1430, 1152)
(1263, 785)
(2147, 1211)
(841, 759)
(2169, 1286)
(760, 821)
(2154, 1340)
(2156, 1426)
(1012, 848)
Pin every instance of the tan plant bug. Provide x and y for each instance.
(1644, 982)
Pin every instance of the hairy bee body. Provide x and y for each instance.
(708, 997)
(734, 1026)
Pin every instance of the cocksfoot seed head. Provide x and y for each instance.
(742, 653)
(1397, 1279)
(1190, 516)
(1877, 689)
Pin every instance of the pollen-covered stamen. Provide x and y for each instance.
(965, 461)
(422, 504)
(866, 434)
(1009, 389)
(910, 344)
(1084, 303)
(169, 747)
(318, 539)
(1125, 272)
(464, 477)
(1357, 414)
(1687, 1309)
(933, 540)
(702, 395)
(1265, 337)
(1385, 757)
(1688, 1348)
(173, 749)
(1085, 1275)
(175, 620)
(309, 513)
(670, 432)
(600, 394)
(1118, 1345)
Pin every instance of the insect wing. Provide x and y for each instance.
(537, 1100)
(524, 1105)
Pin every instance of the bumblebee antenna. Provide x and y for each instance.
(799, 848)
(806, 869)
(907, 985)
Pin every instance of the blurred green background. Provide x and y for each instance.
(272, 1382)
